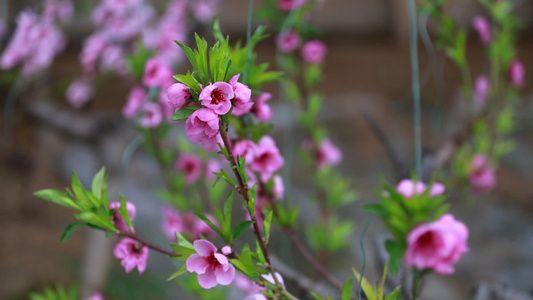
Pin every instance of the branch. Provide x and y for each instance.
(134, 236)
(398, 167)
(243, 189)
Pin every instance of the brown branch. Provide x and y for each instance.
(134, 236)
(398, 167)
(243, 190)
(311, 260)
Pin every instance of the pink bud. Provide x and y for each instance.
(178, 95)
(313, 52)
(226, 250)
(517, 73)
(79, 92)
(288, 41)
(482, 26)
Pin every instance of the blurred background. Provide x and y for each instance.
(367, 71)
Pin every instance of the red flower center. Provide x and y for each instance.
(217, 96)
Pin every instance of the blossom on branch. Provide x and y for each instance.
(437, 245)
(133, 255)
(212, 268)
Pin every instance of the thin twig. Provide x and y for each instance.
(243, 189)
(382, 137)
(134, 236)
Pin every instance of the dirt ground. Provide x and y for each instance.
(364, 74)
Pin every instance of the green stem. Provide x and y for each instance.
(415, 86)
(417, 283)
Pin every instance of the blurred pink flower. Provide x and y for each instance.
(517, 73)
(113, 60)
(132, 254)
(482, 87)
(212, 268)
(313, 52)
(95, 296)
(79, 92)
(117, 219)
(151, 115)
(279, 188)
(134, 102)
(175, 221)
(205, 10)
(217, 97)
(287, 5)
(288, 41)
(191, 165)
(482, 26)
(482, 176)
(202, 128)
(261, 109)
(266, 159)
(178, 95)
(437, 245)
(212, 166)
(328, 154)
(61, 10)
(409, 188)
(157, 73)
(18, 47)
(246, 149)
(92, 49)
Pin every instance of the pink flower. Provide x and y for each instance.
(482, 27)
(113, 60)
(178, 95)
(482, 177)
(175, 221)
(481, 89)
(517, 73)
(313, 52)
(226, 250)
(202, 128)
(134, 102)
(245, 149)
(328, 154)
(211, 167)
(92, 49)
(132, 254)
(79, 92)
(191, 165)
(18, 48)
(241, 101)
(409, 188)
(117, 219)
(62, 10)
(212, 268)
(278, 189)
(205, 10)
(288, 41)
(253, 289)
(266, 159)
(157, 73)
(151, 115)
(437, 245)
(287, 5)
(96, 296)
(217, 97)
(261, 109)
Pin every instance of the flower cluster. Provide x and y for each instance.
(482, 176)
(37, 39)
(192, 166)
(186, 223)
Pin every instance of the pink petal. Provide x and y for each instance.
(225, 277)
(207, 280)
(196, 263)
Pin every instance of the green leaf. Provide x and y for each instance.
(184, 113)
(70, 229)
(80, 193)
(266, 224)
(217, 33)
(93, 219)
(179, 272)
(366, 286)
(210, 224)
(317, 296)
(99, 186)
(241, 228)
(347, 290)
(395, 295)
(57, 197)
(396, 251)
(124, 212)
